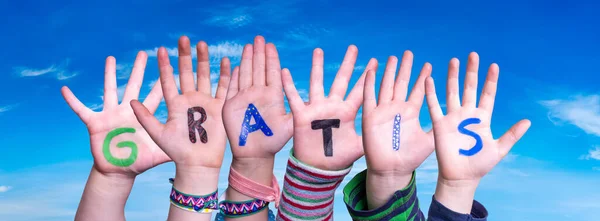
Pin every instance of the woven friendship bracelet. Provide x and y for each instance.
(234, 209)
(201, 204)
(254, 189)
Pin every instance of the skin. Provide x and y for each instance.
(389, 170)
(108, 185)
(308, 143)
(196, 163)
(256, 81)
(459, 175)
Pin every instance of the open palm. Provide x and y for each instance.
(465, 147)
(193, 134)
(308, 135)
(393, 138)
(255, 88)
(119, 143)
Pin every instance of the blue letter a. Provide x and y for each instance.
(478, 143)
(259, 124)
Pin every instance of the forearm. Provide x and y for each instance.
(259, 170)
(308, 192)
(193, 181)
(382, 186)
(402, 204)
(104, 197)
(454, 201)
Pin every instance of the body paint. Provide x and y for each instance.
(194, 125)
(119, 161)
(478, 143)
(252, 112)
(396, 134)
(326, 126)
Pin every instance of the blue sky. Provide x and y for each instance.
(547, 52)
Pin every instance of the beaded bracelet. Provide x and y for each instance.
(201, 204)
(233, 209)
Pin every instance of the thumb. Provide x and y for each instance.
(152, 126)
(514, 134)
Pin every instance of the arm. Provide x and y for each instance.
(257, 127)
(465, 147)
(194, 135)
(116, 164)
(395, 145)
(325, 140)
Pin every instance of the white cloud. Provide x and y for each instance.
(304, 36)
(121, 91)
(303, 94)
(124, 70)
(5, 188)
(60, 71)
(232, 20)
(96, 106)
(30, 72)
(336, 66)
(8, 107)
(581, 111)
(229, 49)
(596, 168)
(592, 154)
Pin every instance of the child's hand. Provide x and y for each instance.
(465, 147)
(119, 143)
(395, 143)
(254, 114)
(193, 136)
(324, 132)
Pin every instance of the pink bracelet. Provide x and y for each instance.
(254, 189)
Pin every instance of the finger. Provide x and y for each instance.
(401, 87)
(167, 80)
(136, 78)
(246, 68)
(203, 68)
(258, 61)
(154, 97)
(79, 108)
(386, 90)
(290, 91)
(470, 90)
(452, 99)
(111, 98)
(418, 92)
(186, 73)
(340, 84)
(355, 98)
(435, 111)
(147, 120)
(488, 95)
(273, 67)
(223, 79)
(369, 99)
(316, 76)
(233, 83)
(514, 134)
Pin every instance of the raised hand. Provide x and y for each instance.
(324, 133)
(465, 147)
(120, 146)
(119, 143)
(254, 114)
(193, 136)
(395, 143)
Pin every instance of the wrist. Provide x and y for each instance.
(381, 186)
(259, 170)
(196, 180)
(111, 183)
(456, 195)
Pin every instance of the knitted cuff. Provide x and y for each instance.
(403, 205)
(308, 192)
